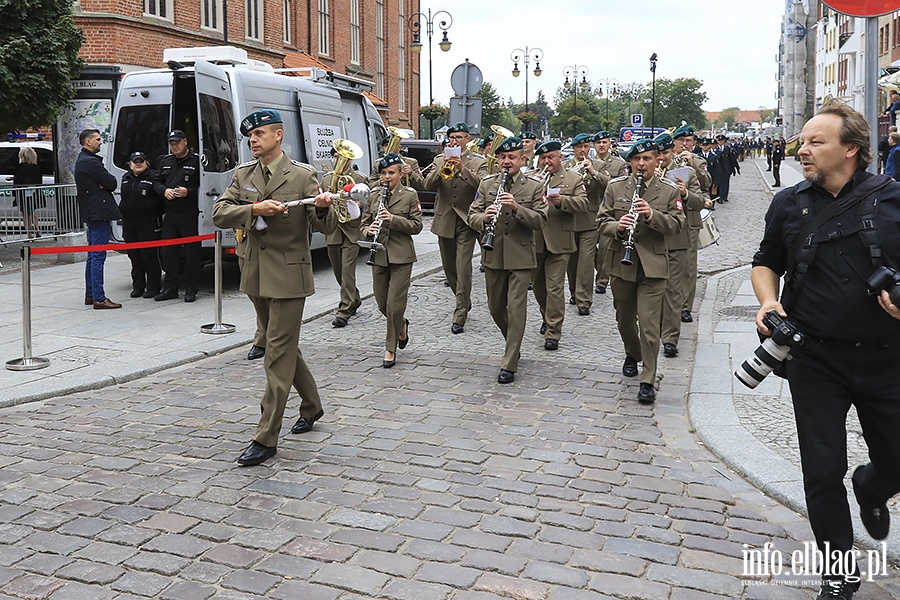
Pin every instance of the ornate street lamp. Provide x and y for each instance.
(526, 55)
(415, 25)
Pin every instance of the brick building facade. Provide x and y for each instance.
(368, 39)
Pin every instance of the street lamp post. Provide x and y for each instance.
(526, 55)
(575, 72)
(653, 93)
(415, 25)
(611, 85)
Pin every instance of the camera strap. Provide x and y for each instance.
(804, 249)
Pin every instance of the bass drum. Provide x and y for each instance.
(709, 235)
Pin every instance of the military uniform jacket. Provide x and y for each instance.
(454, 196)
(176, 172)
(558, 235)
(649, 234)
(612, 165)
(416, 181)
(513, 233)
(691, 206)
(595, 185)
(406, 221)
(350, 229)
(702, 170)
(275, 261)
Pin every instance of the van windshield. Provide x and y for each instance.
(141, 128)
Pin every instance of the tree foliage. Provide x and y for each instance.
(727, 117)
(678, 100)
(38, 58)
(494, 111)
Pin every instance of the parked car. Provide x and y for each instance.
(423, 151)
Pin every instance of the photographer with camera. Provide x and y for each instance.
(832, 236)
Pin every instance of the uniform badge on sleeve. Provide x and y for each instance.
(678, 205)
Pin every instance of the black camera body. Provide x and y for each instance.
(885, 278)
(772, 352)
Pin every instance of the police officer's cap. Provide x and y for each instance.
(664, 141)
(458, 128)
(389, 160)
(581, 138)
(602, 135)
(137, 156)
(510, 144)
(683, 131)
(176, 135)
(528, 135)
(548, 147)
(721, 136)
(266, 116)
(642, 145)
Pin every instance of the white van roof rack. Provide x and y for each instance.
(219, 55)
(346, 82)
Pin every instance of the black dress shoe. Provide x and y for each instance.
(543, 328)
(647, 395)
(167, 294)
(339, 322)
(584, 311)
(305, 424)
(481, 268)
(874, 514)
(355, 308)
(150, 294)
(446, 283)
(551, 344)
(530, 286)
(571, 299)
(402, 342)
(255, 454)
(837, 589)
(629, 369)
(387, 364)
(686, 317)
(670, 350)
(506, 376)
(256, 352)
(136, 293)
(600, 289)
(190, 296)
(457, 328)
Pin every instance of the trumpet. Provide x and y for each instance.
(350, 199)
(543, 176)
(629, 240)
(448, 171)
(581, 168)
(489, 240)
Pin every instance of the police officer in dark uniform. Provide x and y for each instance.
(849, 357)
(178, 181)
(142, 210)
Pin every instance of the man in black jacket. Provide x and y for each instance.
(97, 207)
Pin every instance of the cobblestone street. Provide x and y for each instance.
(428, 481)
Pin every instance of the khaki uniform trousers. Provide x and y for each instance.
(456, 258)
(640, 304)
(343, 259)
(600, 260)
(671, 317)
(689, 282)
(391, 287)
(548, 282)
(581, 267)
(284, 365)
(507, 293)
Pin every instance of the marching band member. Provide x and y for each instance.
(613, 165)
(643, 217)
(410, 168)
(514, 216)
(555, 243)
(393, 224)
(529, 143)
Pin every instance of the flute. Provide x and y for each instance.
(489, 240)
(629, 241)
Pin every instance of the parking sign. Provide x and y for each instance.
(637, 120)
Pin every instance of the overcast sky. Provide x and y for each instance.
(730, 46)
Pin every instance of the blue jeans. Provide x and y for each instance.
(98, 233)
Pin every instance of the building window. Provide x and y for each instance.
(255, 27)
(324, 27)
(288, 15)
(158, 8)
(401, 59)
(354, 31)
(212, 14)
(379, 43)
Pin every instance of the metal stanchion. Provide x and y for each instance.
(27, 362)
(218, 326)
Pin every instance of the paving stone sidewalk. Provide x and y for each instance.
(428, 481)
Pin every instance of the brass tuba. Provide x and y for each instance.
(340, 177)
(393, 145)
(500, 134)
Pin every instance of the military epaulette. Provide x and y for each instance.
(668, 182)
(309, 167)
(486, 177)
(619, 178)
(249, 163)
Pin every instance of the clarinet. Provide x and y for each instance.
(629, 241)
(489, 240)
(378, 221)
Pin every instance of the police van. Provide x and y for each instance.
(206, 91)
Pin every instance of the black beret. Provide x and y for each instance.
(602, 135)
(266, 116)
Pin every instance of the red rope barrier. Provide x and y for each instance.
(128, 246)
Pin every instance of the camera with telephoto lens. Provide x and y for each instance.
(885, 278)
(772, 352)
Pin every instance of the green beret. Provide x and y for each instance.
(266, 116)
(528, 135)
(602, 135)
(581, 138)
(486, 140)
(548, 147)
(684, 130)
(458, 128)
(642, 145)
(510, 144)
(664, 141)
(389, 160)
